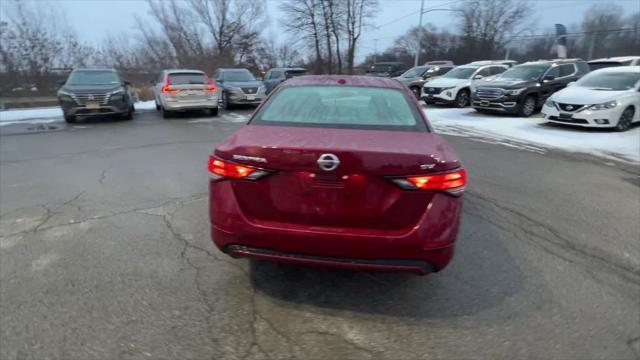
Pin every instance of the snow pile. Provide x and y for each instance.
(534, 135)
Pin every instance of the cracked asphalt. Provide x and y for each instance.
(105, 254)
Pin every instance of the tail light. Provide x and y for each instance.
(222, 169)
(211, 87)
(451, 182)
(166, 87)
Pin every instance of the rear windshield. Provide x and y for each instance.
(341, 107)
(187, 78)
(93, 77)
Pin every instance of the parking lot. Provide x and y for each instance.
(105, 253)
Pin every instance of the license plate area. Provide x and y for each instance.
(565, 116)
(92, 105)
(251, 97)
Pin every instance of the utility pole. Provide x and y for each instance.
(415, 61)
(375, 50)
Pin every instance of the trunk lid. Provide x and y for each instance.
(356, 194)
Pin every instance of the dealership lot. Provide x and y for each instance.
(105, 253)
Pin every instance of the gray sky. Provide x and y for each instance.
(94, 19)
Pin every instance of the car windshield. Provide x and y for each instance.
(605, 64)
(93, 77)
(460, 73)
(187, 78)
(242, 75)
(341, 107)
(525, 72)
(610, 80)
(381, 68)
(415, 72)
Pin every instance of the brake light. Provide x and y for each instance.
(223, 169)
(166, 87)
(452, 182)
(211, 87)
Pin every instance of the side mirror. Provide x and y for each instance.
(126, 83)
(478, 77)
(61, 83)
(548, 78)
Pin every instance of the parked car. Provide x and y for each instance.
(440, 62)
(275, 76)
(95, 92)
(453, 88)
(614, 61)
(415, 77)
(609, 97)
(184, 90)
(524, 88)
(338, 190)
(386, 69)
(238, 86)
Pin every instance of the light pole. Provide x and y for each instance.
(422, 11)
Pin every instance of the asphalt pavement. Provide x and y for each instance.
(105, 254)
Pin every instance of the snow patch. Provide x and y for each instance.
(533, 134)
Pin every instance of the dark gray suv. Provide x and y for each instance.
(95, 92)
(238, 86)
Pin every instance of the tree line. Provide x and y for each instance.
(322, 35)
(497, 29)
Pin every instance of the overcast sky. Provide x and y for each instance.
(94, 19)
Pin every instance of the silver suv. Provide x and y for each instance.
(183, 90)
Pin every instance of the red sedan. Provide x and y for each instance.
(338, 171)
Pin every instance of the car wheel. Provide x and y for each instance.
(528, 107)
(157, 106)
(416, 91)
(213, 112)
(70, 118)
(625, 119)
(225, 102)
(462, 99)
(166, 113)
(129, 114)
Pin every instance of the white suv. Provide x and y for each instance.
(454, 87)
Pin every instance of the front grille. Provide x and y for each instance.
(432, 90)
(572, 120)
(570, 107)
(250, 90)
(82, 99)
(489, 93)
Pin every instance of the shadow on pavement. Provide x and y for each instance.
(483, 275)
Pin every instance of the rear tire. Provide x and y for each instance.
(462, 98)
(213, 112)
(157, 106)
(166, 113)
(624, 123)
(70, 119)
(225, 102)
(528, 107)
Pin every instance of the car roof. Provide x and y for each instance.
(96, 69)
(619, 69)
(173, 71)
(233, 69)
(552, 62)
(289, 69)
(349, 80)
(615, 58)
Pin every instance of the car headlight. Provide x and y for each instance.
(515, 91)
(262, 88)
(604, 106)
(117, 92)
(64, 93)
(549, 103)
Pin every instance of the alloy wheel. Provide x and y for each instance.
(625, 119)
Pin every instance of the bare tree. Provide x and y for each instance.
(303, 21)
(358, 12)
(487, 24)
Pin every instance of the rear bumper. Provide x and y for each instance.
(424, 247)
(177, 105)
(414, 266)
